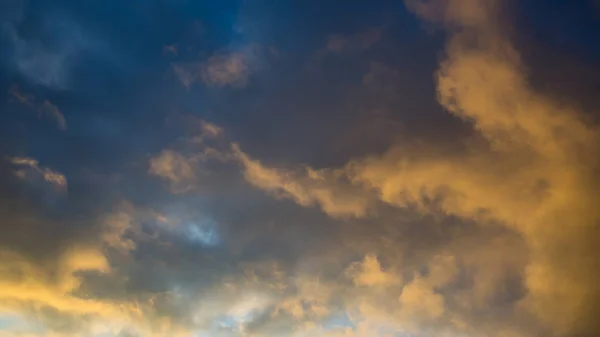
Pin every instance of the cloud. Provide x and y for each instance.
(53, 112)
(183, 171)
(44, 109)
(46, 59)
(369, 273)
(226, 70)
(492, 235)
(30, 170)
(45, 293)
(530, 167)
(533, 177)
(195, 228)
(207, 131)
(63, 296)
(174, 167)
(223, 69)
(306, 189)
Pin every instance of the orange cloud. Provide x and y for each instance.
(305, 189)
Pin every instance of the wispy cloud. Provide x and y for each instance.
(306, 189)
(47, 59)
(46, 108)
(30, 169)
(183, 171)
(223, 69)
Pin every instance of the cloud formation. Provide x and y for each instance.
(46, 108)
(183, 171)
(532, 177)
(218, 226)
(306, 189)
(223, 69)
(46, 59)
(29, 169)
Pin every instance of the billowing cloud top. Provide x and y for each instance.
(274, 168)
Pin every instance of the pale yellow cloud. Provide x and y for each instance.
(227, 70)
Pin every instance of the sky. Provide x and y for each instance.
(233, 168)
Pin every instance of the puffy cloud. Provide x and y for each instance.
(369, 273)
(534, 177)
(419, 301)
(44, 293)
(491, 237)
(530, 167)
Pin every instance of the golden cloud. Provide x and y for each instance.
(306, 189)
(531, 168)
